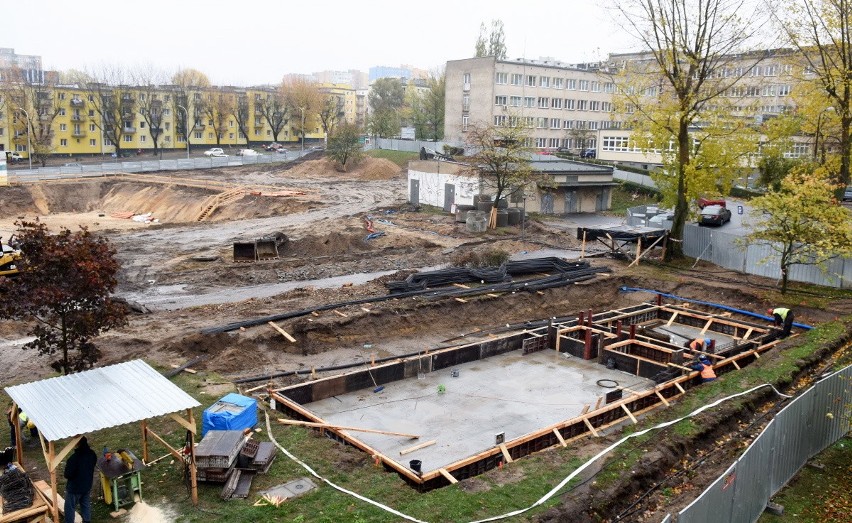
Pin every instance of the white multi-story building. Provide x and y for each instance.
(563, 105)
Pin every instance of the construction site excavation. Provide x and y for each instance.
(392, 346)
(450, 414)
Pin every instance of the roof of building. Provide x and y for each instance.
(84, 402)
(553, 164)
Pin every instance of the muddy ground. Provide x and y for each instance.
(326, 217)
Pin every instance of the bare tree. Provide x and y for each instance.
(821, 30)
(150, 103)
(273, 109)
(188, 102)
(331, 111)
(242, 115)
(34, 107)
(114, 102)
(302, 99)
(218, 110)
(688, 43)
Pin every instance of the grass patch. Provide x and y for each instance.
(624, 197)
(400, 158)
(814, 496)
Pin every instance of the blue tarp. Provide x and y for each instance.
(232, 412)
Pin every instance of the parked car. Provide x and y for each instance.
(589, 153)
(847, 195)
(704, 202)
(76, 165)
(274, 146)
(215, 151)
(714, 215)
(14, 157)
(659, 221)
(247, 152)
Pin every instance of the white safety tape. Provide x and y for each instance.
(553, 491)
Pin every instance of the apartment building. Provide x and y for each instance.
(563, 105)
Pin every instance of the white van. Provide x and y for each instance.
(247, 152)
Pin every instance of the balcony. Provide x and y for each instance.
(78, 133)
(76, 102)
(78, 118)
(128, 130)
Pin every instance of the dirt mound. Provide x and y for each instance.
(368, 169)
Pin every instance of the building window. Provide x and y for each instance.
(783, 90)
(501, 100)
(63, 127)
(141, 125)
(768, 90)
(556, 103)
(555, 123)
(770, 70)
(609, 87)
(571, 84)
(581, 105)
(541, 142)
(594, 105)
(466, 81)
(557, 83)
(499, 121)
(544, 81)
(142, 138)
(465, 122)
(543, 103)
(596, 87)
(92, 142)
(593, 126)
(91, 113)
(529, 101)
(91, 127)
(553, 143)
(501, 78)
(128, 138)
(584, 85)
(515, 101)
(569, 104)
(167, 139)
(210, 136)
(199, 135)
(517, 79)
(63, 142)
(530, 81)
(541, 122)
(61, 112)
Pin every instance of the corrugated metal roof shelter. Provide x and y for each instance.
(73, 405)
(100, 398)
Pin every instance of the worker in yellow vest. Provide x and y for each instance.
(783, 318)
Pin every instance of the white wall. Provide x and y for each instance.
(432, 187)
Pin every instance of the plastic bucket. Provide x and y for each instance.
(415, 465)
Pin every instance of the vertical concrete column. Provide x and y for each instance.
(659, 300)
(618, 330)
(590, 318)
(587, 347)
(633, 331)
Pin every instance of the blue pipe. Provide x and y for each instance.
(711, 304)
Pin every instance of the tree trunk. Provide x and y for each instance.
(681, 206)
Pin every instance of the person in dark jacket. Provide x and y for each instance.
(782, 318)
(80, 473)
(704, 366)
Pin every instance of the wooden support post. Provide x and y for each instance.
(735, 364)
(505, 452)
(581, 319)
(583, 246)
(598, 404)
(659, 299)
(632, 417)
(748, 333)
(425, 444)
(372, 359)
(19, 443)
(560, 438)
(662, 398)
(672, 319)
(339, 313)
(586, 409)
(145, 455)
(590, 427)
(589, 319)
(679, 388)
(632, 331)
(51, 453)
(618, 330)
(444, 472)
(706, 326)
(638, 252)
(193, 475)
(587, 347)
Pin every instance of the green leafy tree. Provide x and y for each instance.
(501, 158)
(386, 99)
(802, 221)
(344, 146)
(675, 100)
(491, 43)
(64, 289)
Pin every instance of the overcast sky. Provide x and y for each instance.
(253, 42)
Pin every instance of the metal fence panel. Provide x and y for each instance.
(830, 419)
(696, 241)
(667, 519)
(715, 504)
(728, 251)
(411, 146)
(752, 484)
(792, 439)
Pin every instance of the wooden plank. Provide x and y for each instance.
(591, 428)
(706, 326)
(177, 455)
(672, 319)
(461, 286)
(56, 460)
(505, 452)
(341, 427)
(425, 444)
(183, 423)
(586, 409)
(447, 475)
(676, 384)
(282, 332)
(365, 309)
(632, 417)
(662, 398)
(492, 295)
(735, 364)
(47, 492)
(461, 300)
(670, 364)
(339, 313)
(187, 369)
(560, 438)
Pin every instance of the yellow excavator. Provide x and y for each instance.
(9, 258)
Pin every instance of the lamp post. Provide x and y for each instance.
(29, 147)
(185, 128)
(303, 129)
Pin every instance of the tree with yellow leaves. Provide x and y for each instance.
(803, 222)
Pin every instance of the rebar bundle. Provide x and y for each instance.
(16, 490)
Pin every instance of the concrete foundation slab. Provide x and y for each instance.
(511, 394)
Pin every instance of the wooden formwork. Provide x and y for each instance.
(611, 332)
